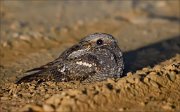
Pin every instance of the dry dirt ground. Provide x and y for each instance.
(35, 32)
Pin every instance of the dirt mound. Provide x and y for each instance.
(152, 89)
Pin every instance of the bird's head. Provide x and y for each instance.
(98, 40)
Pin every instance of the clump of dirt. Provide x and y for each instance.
(150, 89)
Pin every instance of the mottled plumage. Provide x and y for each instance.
(96, 57)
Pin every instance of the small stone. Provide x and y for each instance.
(110, 80)
(54, 100)
(172, 76)
(121, 109)
(157, 68)
(153, 83)
(5, 44)
(48, 108)
(146, 79)
(131, 80)
(24, 37)
(152, 73)
(4, 98)
(145, 69)
(80, 22)
(74, 92)
(168, 107)
(142, 103)
(64, 108)
(129, 74)
(36, 35)
(15, 35)
(31, 108)
(140, 72)
(47, 96)
(64, 30)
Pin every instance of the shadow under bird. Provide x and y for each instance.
(95, 58)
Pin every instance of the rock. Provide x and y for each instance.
(171, 76)
(157, 68)
(74, 92)
(65, 108)
(110, 80)
(31, 108)
(54, 100)
(4, 98)
(129, 74)
(146, 80)
(131, 80)
(168, 107)
(155, 84)
(48, 108)
(24, 37)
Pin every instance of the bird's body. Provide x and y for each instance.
(96, 57)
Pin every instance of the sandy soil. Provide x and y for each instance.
(34, 33)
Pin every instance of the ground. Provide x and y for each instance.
(36, 32)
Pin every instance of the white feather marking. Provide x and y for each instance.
(78, 53)
(32, 72)
(112, 58)
(63, 69)
(84, 64)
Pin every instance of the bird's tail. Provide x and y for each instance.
(37, 74)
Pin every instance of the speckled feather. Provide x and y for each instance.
(95, 58)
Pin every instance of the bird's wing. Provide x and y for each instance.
(37, 74)
(77, 54)
(41, 73)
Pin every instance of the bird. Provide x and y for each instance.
(95, 57)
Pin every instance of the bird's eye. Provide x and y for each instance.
(99, 42)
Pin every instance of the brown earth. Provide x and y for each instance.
(34, 33)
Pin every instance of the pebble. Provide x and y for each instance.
(131, 80)
(80, 22)
(54, 100)
(140, 72)
(47, 95)
(129, 74)
(74, 92)
(31, 108)
(153, 83)
(5, 44)
(167, 107)
(48, 108)
(64, 108)
(145, 69)
(64, 30)
(15, 35)
(110, 80)
(24, 37)
(146, 80)
(142, 103)
(152, 73)
(36, 35)
(4, 98)
(137, 80)
(157, 68)
(172, 76)
(121, 109)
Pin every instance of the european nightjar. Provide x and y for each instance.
(95, 58)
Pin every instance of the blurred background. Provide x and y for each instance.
(37, 31)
